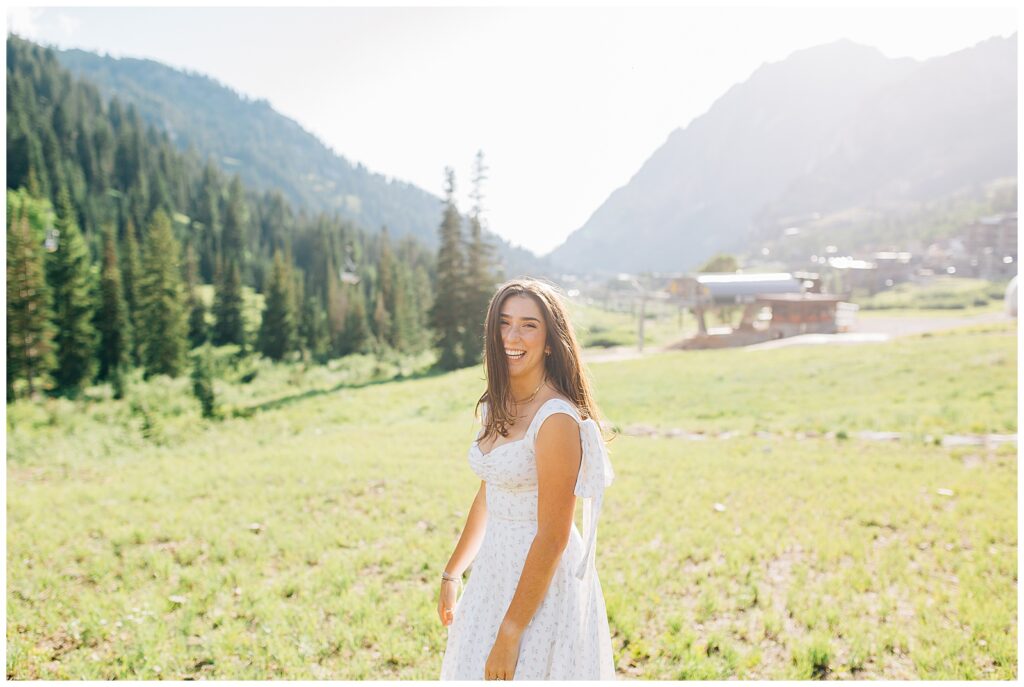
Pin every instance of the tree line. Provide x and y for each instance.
(112, 234)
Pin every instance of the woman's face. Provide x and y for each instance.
(523, 334)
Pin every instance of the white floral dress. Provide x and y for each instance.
(568, 637)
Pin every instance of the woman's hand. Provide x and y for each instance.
(501, 663)
(446, 602)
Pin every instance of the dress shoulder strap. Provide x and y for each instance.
(547, 409)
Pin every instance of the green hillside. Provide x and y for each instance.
(272, 152)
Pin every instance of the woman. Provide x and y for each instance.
(533, 608)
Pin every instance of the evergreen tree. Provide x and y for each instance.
(381, 319)
(315, 331)
(404, 324)
(356, 336)
(277, 330)
(227, 306)
(113, 324)
(164, 328)
(228, 300)
(337, 309)
(480, 279)
(447, 314)
(385, 314)
(202, 381)
(207, 218)
(233, 237)
(131, 271)
(298, 293)
(30, 330)
(422, 299)
(197, 330)
(73, 306)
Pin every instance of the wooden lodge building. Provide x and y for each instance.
(775, 305)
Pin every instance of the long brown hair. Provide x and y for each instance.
(563, 368)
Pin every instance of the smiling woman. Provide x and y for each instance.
(533, 608)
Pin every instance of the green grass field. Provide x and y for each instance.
(303, 535)
(943, 293)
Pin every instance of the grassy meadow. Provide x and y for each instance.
(942, 293)
(302, 536)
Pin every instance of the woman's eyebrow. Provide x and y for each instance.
(505, 314)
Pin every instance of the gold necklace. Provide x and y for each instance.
(532, 396)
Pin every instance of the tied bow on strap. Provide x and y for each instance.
(595, 474)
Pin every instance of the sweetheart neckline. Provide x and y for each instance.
(495, 448)
(476, 442)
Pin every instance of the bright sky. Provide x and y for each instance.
(566, 103)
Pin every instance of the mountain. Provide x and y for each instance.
(951, 124)
(830, 126)
(271, 151)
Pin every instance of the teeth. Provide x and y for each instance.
(514, 354)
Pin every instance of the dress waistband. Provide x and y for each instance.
(516, 505)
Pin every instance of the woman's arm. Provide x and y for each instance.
(558, 452)
(472, 534)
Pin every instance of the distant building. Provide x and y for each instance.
(991, 243)
(892, 267)
(731, 288)
(777, 304)
(775, 316)
(789, 314)
(985, 249)
(849, 273)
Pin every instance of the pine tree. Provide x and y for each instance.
(337, 309)
(197, 330)
(356, 336)
(113, 324)
(227, 306)
(422, 302)
(447, 314)
(131, 271)
(202, 381)
(164, 328)
(381, 319)
(386, 321)
(404, 324)
(228, 302)
(298, 292)
(30, 330)
(207, 216)
(234, 234)
(480, 280)
(315, 332)
(277, 330)
(73, 307)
